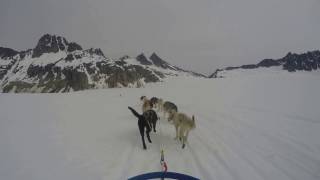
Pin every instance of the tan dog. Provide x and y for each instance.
(146, 104)
(183, 125)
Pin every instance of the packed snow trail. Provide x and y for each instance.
(265, 127)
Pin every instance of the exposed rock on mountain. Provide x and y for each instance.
(143, 60)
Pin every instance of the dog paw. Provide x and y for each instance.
(183, 145)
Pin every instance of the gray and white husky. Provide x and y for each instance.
(183, 125)
(168, 107)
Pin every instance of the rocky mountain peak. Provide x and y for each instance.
(143, 59)
(52, 44)
(158, 61)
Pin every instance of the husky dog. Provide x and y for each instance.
(146, 104)
(145, 122)
(183, 125)
(168, 107)
(154, 101)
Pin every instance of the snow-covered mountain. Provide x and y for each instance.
(292, 62)
(56, 65)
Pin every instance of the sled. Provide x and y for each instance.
(162, 175)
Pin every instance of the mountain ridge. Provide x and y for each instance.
(56, 65)
(291, 62)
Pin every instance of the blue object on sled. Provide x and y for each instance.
(170, 175)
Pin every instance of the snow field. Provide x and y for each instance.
(250, 127)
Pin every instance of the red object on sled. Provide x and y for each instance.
(163, 163)
(164, 166)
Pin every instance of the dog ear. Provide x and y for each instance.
(193, 118)
(142, 97)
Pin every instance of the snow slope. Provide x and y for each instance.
(247, 127)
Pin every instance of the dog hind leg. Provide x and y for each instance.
(185, 139)
(148, 135)
(154, 126)
(181, 132)
(177, 128)
(141, 129)
(154, 122)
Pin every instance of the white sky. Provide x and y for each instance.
(199, 35)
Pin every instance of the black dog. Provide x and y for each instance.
(146, 121)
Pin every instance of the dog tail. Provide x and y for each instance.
(194, 124)
(134, 112)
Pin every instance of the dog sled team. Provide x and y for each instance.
(148, 119)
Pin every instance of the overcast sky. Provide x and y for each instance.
(199, 35)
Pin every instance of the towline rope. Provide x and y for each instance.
(163, 164)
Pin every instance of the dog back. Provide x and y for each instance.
(150, 115)
(169, 106)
